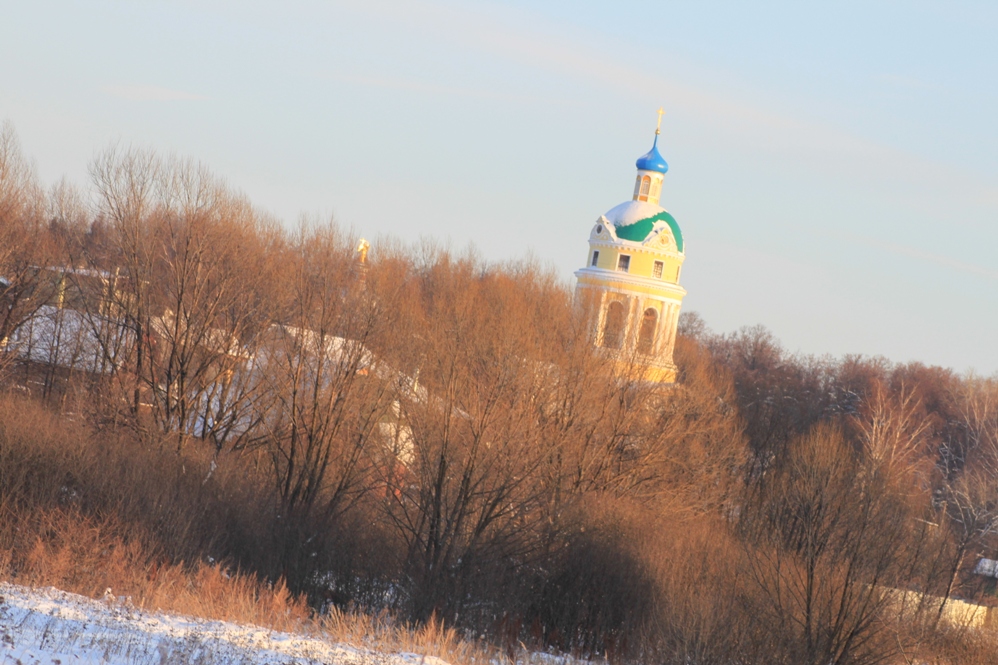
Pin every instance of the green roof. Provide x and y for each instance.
(639, 230)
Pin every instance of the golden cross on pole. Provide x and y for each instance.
(658, 128)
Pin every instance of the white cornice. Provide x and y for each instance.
(626, 278)
(632, 247)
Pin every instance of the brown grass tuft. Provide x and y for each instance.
(76, 553)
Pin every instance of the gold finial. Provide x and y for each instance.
(658, 128)
(362, 248)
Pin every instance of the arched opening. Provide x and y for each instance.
(645, 184)
(646, 337)
(613, 325)
(656, 191)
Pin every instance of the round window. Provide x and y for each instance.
(599, 228)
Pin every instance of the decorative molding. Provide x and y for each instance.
(662, 244)
(602, 275)
(631, 248)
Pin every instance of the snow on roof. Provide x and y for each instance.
(82, 272)
(332, 346)
(636, 221)
(214, 339)
(68, 338)
(987, 568)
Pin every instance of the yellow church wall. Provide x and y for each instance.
(607, 259)
(642, 263)
(666, 298)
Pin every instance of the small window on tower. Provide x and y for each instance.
(645, 184)
(623, 263)
(656, 270)
(595, 258)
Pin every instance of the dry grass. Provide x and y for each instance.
(957, 646)
(72, 552)
(80, 554)
(86, 511)
(381, 631)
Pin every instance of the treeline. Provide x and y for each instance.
(437, 436)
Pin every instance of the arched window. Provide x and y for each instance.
(645, 184)
(613, 325)
(646, 337)
(656, 190)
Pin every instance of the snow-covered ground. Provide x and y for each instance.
(52, 627)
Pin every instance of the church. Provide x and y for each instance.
(631, 275)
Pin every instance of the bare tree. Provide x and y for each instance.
(125, 182)
(469, 500)
(970, 491)
(25, 246)
(205, 292)
(187, 300)
(828, 542)
(326, 391)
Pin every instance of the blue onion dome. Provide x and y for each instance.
(653, 160)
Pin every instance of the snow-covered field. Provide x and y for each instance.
(52, 627)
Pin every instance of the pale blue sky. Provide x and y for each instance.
(834, 168)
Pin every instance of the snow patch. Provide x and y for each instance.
(54, 627)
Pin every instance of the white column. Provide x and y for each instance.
(631, 333)
(670, 331)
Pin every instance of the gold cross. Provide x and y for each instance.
(658, 128)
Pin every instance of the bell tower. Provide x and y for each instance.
(632, 270)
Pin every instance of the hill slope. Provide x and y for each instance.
(52, 626)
